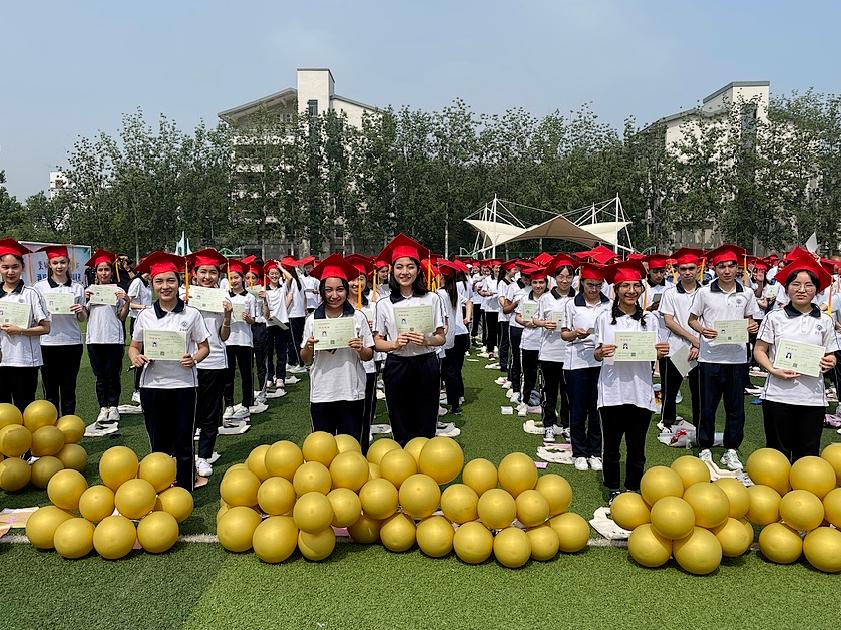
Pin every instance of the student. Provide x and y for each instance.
(361, 297)
(455, 302)
(239, 346)
(296, 307)
(514, 294)
(338, 378)
(310, 284)
(381, 286)
(674, 309)
(276, 313)
(476, 277)
(581, 369)
(489, 290)
(625, 389)
(655, 281)
(168, 387)
(140, 297)
(254, 285)
(723, 366)
(526, 315)
(794, 404)
(106, 338)
(506, 276)
(20, 352)
(411, 373)
(62, 348)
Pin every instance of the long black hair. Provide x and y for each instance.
(418, 286)
(450, 288)
(294, 275)
(615, 311)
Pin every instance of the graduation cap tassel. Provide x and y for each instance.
(186, 283)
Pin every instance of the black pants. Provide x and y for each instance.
(370, 410)
(515, 334)
(504, 345)
(276, 350)
(722, 380)
(585, 430)
(411, 394)
(528, 359)
(339, 416)
(209, 408)
(451, 368)
(794, 430)
(106, 363)
(554, 387)
(296, 334)
(170, 416)
(18, 385)
(242, 356)
(671, 380)
(632, 422)
(477, 319)
(137, 372)
(261, 348)
(58, 375)
(491, 340)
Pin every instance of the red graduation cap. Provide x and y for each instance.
(560, 260)
(656, 261)
(401, 246)
(542, 259)
(590, 271)
(459, 265)
(830, 265)
(206, 258)
(636, 256)
(773, 259)
(11, 246)
(55, 251)
(758, 264)
(160, 262)
(270, 264)
(688, 256)
(602, 254)
(289, 261)
(101, 256)
(360, 262)
(447, 267)
(508, 265)
(306, 260)
(238, 266)
(252, 267)
(805, 263)
(798, 252)
(726, 253)
(334, 266)
(624, 271)
(535, 273)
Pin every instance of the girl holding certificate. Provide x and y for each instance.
(526, 316)
(297, 309)
(411, 373)
(794, 401)
(276, 313)
(359, 297)
(239, 345)
(168, 383)
(625, 389)
(140, 297)
(107, 310)
(506, 277)
(337, 378)
(454, 299)
(62, 347)
(28, 319)
(254, 285)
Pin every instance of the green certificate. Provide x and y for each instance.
(164, 345)
(528, 311)
(103, 294)
(556, 317)
(15, 313)
(333, 333)
(237, 311)
(207, 299)
(635, 346)
(255, 290)
(414, 319)
(733, 331)
(804, 358)
(59, 303)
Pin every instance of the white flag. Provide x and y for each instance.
(812, 243)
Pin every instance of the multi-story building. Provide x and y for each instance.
(57, 182)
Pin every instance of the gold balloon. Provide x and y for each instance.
(710, 504)
(517, 473)
(734, 537)
(41, 526)
(769, 467)
(39, 413)
(349, 470)
(157, 532)
(73, 456)
(283, 458)
(380, 447)
(234, 468)
(312, 512)
(65, 489)
(822, 548)
(629, 511)
(135, 498)
(532, 508)
(275, 539)
(176, 501)
(748, 528)
(318, 546)
(15, 440)
(480, 474)
(647, 547)
(473, 543)
(435, 536)
(347, 508)
(764, 505)
(47, 440)
(117, 465)
(512, 548)
(9, 414)
(459, 503)
(96, 503)
(801, 510)
(544, 542)
(832, 507)
(365, 531)
(673, 518)
(158, 469)
(441, 459)
(780, 543)
(691, 470)
(114, 537)
(557, 491)
(14, 474)
(379, 499)
(320, 446)
(659, 482)
(235, 528)
(74, 538)
(345, 443)
(699, 553)
(73, 428)
(831, 453)
(572, 530)
(496, 508)
(415, 446)
(43, 469)
(814, 474)
(737, 495)
(256, 461)
(373, 471)
(240, 488)
(276, 496)
(312, 477)
(419, 495)
(397, 466)
(397, 533)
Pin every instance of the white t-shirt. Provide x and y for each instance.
(64, 329)
(650, 293)
(532, 337)
(580, 314)
(310, 285)
(103, 324)
(455, 322)
(23, 350)
(502, 289)
(624, 382)
(139, 292)
(339, 374)
(553, 347)
(276, 299)
(711, 304)
(370, 365)
(385, 324)
(491, 285)
(815, 328)
(170, 374)
(241, 334)
(218, 357)
(676, 302)
(515, 293)
(298, 307)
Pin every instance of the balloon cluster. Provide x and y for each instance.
(52, 440)
(285, 497)
(138, 491)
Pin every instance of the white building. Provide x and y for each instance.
(57, 182)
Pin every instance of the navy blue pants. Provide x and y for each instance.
(515, 372)
(170, 416)
(631, 422)
(411, 394)
(502, 332)
(671, 379)
(585, 431)
(339, 416)
(451, 368)
(722, 381)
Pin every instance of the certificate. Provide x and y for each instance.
(164, 345)
(236, 312)
(207, 299)
(635, 346)
(255, 290)
(804, 358)
(414, 319)
(103, 294)
(556, 317)
(333, 333)
(59, 303)
(730, 331)
(528, 311)
(15, 313)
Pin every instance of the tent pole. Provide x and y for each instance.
(493, 219)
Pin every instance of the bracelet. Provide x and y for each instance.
(225, 325)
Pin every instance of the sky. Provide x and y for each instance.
(71, 69)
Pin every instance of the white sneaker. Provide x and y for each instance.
(442, 411)
(229, 413)
(522, 410)
(679, 398)
(731, 460)
(549, 434)
(213, 458)
(492, 366)
(501, 380)
(705, 455)
(103, 415)
(260, 398)
(290, 380)
(565, 432)
(135, 397)
(442, 426)
(507, 384)
(257, 407)
(203, 467)
(380, 394)
(595, 463)
(442, 398)
(483, 354)
(580, 463)
(113, 414)
(240, 412)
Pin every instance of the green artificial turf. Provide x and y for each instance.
(199, 585)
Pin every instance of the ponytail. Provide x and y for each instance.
(615, 311)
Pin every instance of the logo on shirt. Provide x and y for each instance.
(819, 328)
(183, 325)
(740, 301)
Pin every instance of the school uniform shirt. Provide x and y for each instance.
(491, 285)
(298, 307)
(455, 323)
(579, 314)
(532, 337)
(385, 323)
(64, 329)
(514, 292)
(502, 288)
(815, 328)
(310, 285)
(23, 350)
(553, 347)
(276, 300)
(188, 319)
(139, 292)
(217, 359)
(338, 374)
(676, 302)
(651, 291)
(224, 284)
(624, 382)
(103, 324)
(711, 304)
(370, 365)
(241, 334)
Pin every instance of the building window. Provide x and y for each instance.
(312, 108)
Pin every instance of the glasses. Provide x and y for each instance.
(797, 286)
